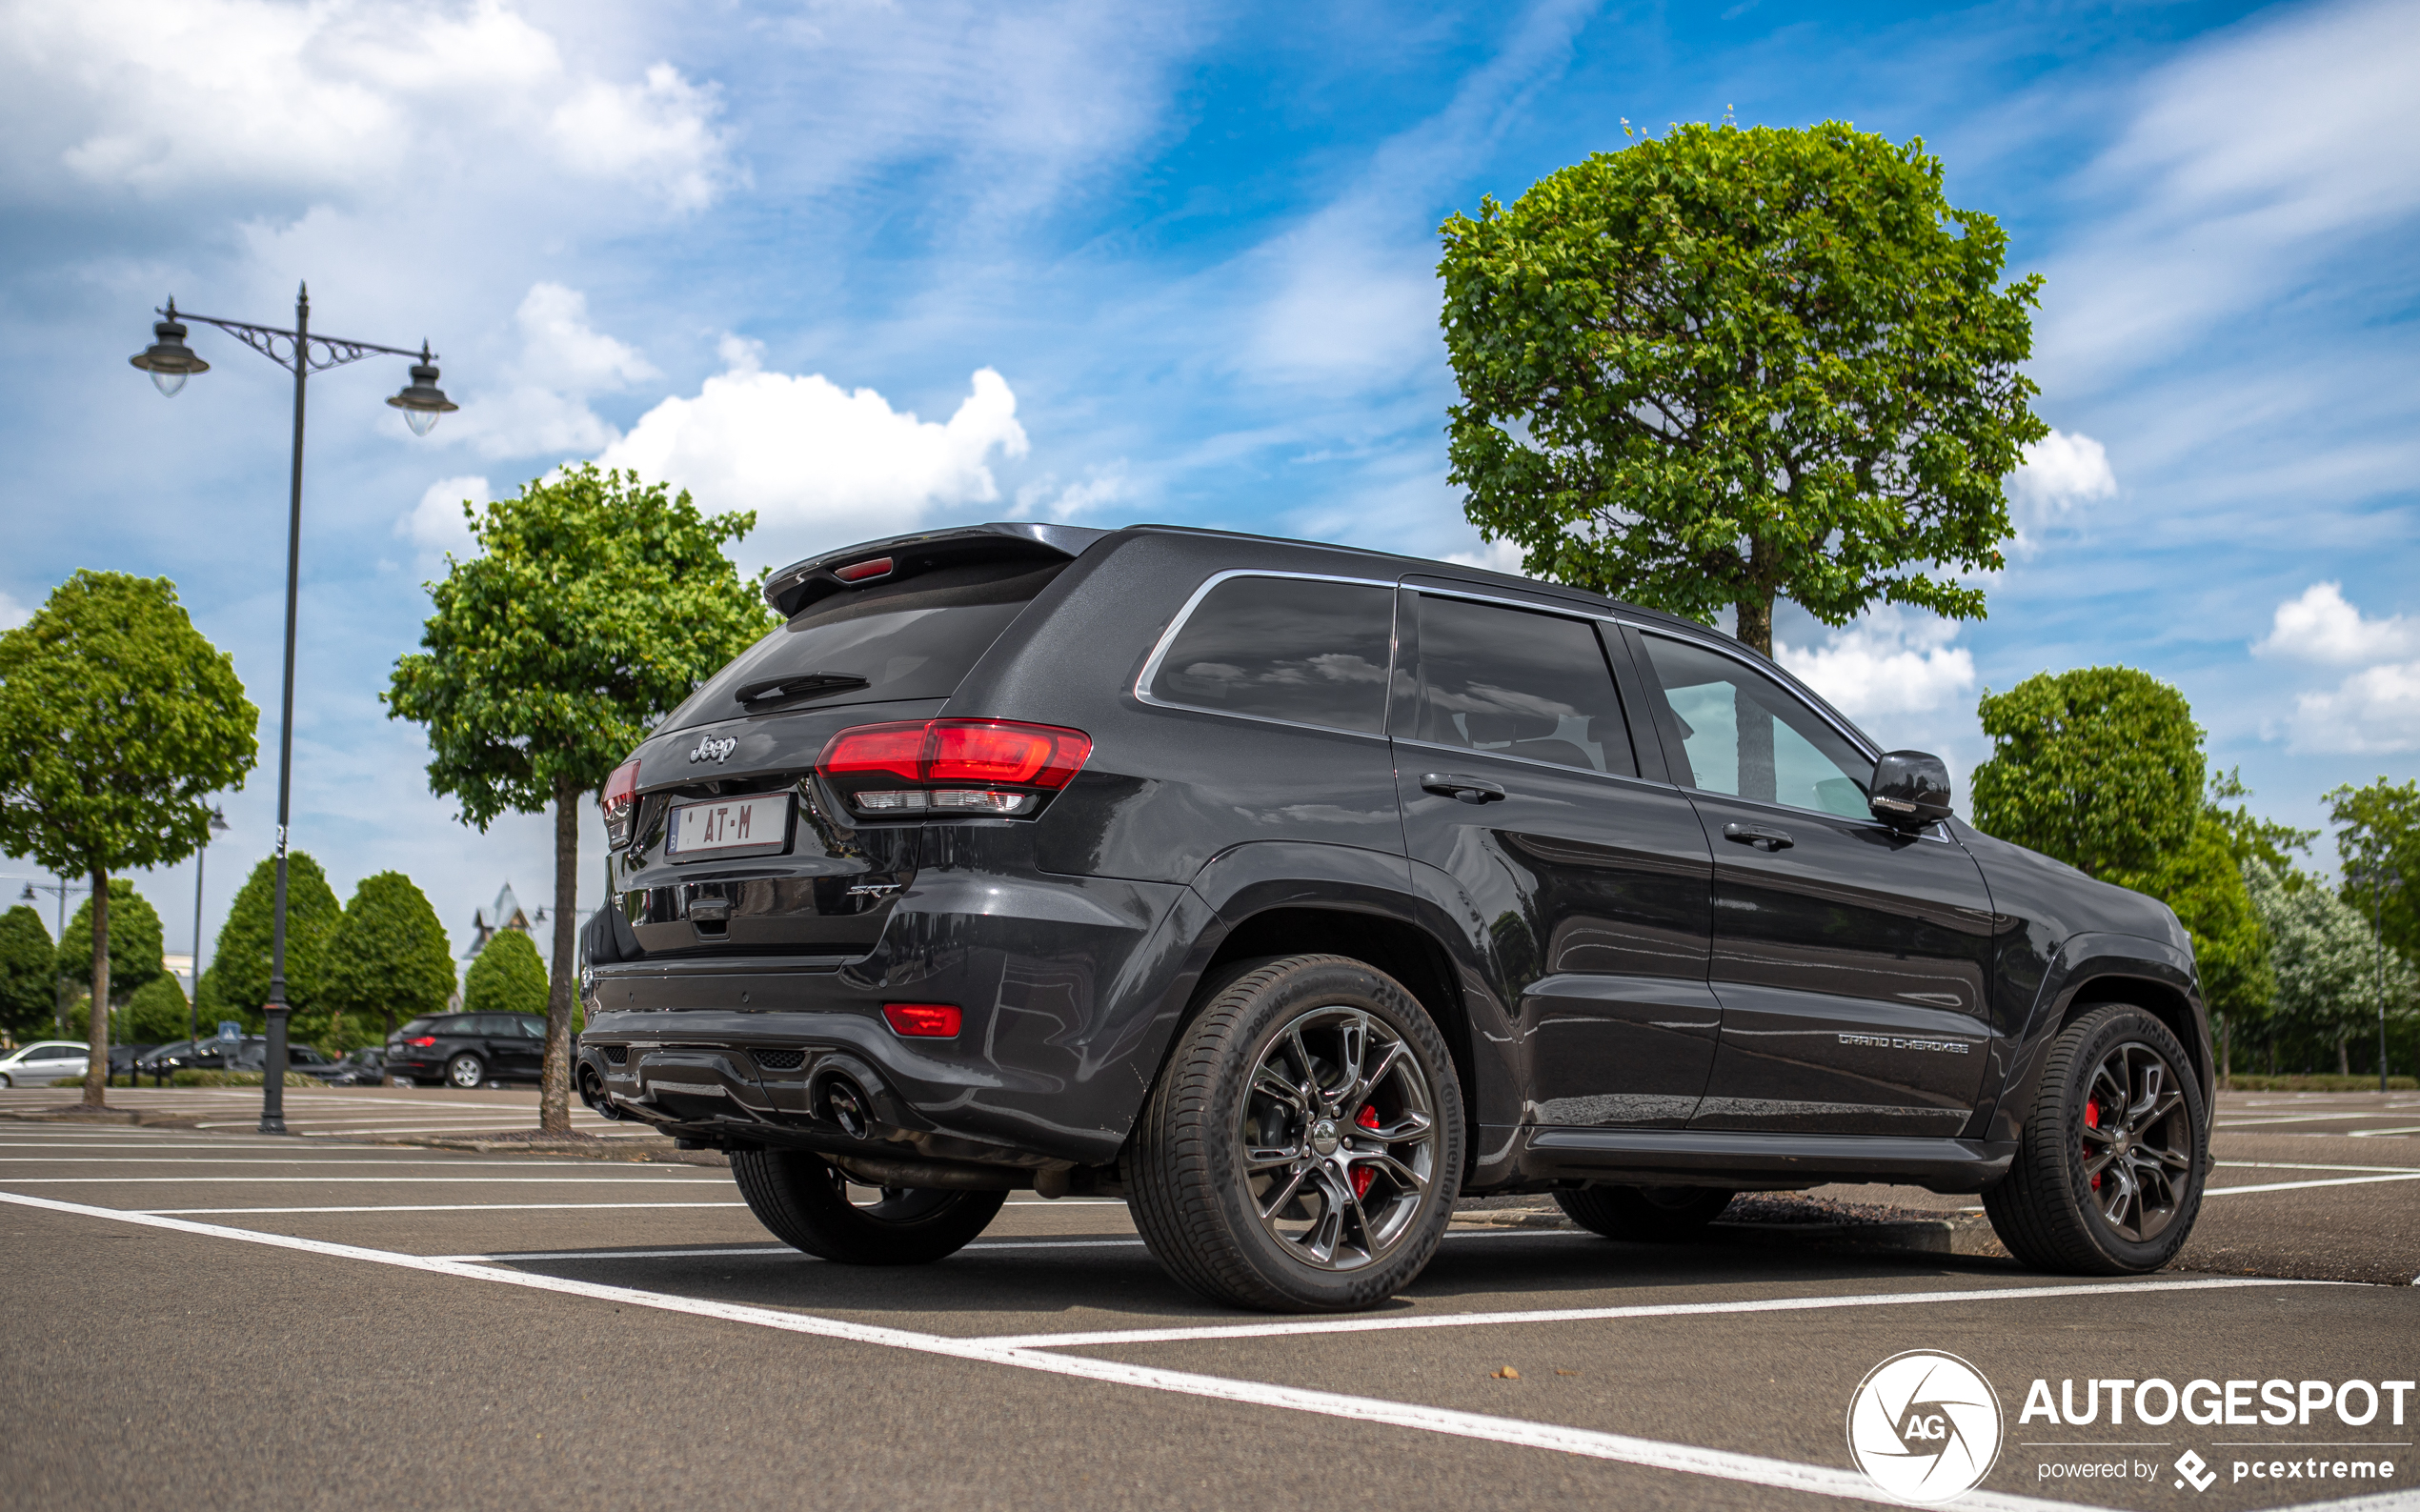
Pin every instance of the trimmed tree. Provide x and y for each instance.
(506, 976)
(239, 962)
(1724, 366)
(155, 1014)
(2101, 767)
(595, 605)
(390, 955)
(28, 975)
(136, 941)
(117, 721)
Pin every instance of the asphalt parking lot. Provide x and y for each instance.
(201, 1317)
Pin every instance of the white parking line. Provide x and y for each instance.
(2293, 1165)
(436, 1207)
(1687, 1458)
(458, 1163)
(2371, 1134)
(2297, 1186)
(1277, 1328)
(363, 1180)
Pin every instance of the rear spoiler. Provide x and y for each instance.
(802, 583)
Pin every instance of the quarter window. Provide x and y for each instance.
(1304, 650)
(1518, 683)
(1746, 735)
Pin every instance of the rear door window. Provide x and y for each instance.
(1307, 651)
(1519, 683)
(915, 638)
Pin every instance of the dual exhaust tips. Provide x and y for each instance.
(840, 1094)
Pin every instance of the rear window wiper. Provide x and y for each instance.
(767, 692)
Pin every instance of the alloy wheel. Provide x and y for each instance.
(1338, 1137)
(2136, 1140)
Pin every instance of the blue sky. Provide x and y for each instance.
(868, 266)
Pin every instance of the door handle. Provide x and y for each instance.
(1758, 835)
(1469, 790)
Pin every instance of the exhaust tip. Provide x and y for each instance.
(845, 1103)
(593, 1093)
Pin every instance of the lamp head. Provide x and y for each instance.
(421, 400)
(167, 359)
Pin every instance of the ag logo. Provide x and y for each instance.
(1924, 1426)
(709, 749)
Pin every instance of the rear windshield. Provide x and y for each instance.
(916, 638)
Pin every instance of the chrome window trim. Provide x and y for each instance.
(1185, 612)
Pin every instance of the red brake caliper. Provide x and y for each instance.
(2092, 1120)
(1363, 1174)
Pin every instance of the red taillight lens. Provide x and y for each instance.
(923, 1021)
(423, 1042)
(955, 753)
(619, 801)
(863, 572)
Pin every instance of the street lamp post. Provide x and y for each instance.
(193, 998)
(2381, 878)
(62, 887)
(170, 362)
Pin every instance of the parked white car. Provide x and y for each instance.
(43, 1063)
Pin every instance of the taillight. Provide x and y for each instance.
(423, 1042)
(956, 766)
(621, 802)
(923, 1021)
(864, 572)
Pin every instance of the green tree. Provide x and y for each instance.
(156, 1013)
(2203, 882)
(117, 721)
(2379, 826)
(390, 955)
(2100, 767)
(1725, 365)
(135, 942)
(595, 605)
(29, 975)
(506, 976)
(239, 962)
(2326, 965)
(2251, 837)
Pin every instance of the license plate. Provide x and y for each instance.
(757, 824)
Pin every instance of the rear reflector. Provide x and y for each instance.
(863, 572)
(923, 1021)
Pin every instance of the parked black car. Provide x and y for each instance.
(468, 1050)
(366, 1067)
(124, 1058)
(1294, 891)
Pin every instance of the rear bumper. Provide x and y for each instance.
(1068, 987)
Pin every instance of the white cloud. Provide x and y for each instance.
(543, 408)
(2060, 472)
(820, 465)
(1101, 487)
(2263, 152)
(342, 97)
(658, 133)
(1892, 661)
(1495, 556)
(2320, 626)
(436, 524)
(12, 614)
(2377, 709)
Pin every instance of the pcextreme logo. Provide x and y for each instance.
(1924, 1426)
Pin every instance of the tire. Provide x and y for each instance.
(2104, 1183)
(5, 1083)
(1228, 1178)
(466, 1072)
(804, 1200)
(1648, 1215)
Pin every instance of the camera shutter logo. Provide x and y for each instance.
(1924, 1426)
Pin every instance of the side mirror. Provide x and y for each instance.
(1911, 790)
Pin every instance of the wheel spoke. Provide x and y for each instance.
(2095, 1164)
(1267, 1083)
(1261, 1160)
(1363, 1086)
(1395, 1170)
(2154, 1082)
(2100, 1136)
(1409, 1125)
(2168, 1103)
(1277, 1204)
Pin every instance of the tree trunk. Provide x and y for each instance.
(555, 1088)
(96, 1064)
(1756, 623)
(2226, 1052)
(2344, 1054)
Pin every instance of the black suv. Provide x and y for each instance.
(467, 1050)
(1293, 890)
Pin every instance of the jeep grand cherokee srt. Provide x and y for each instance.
(1291, 891)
